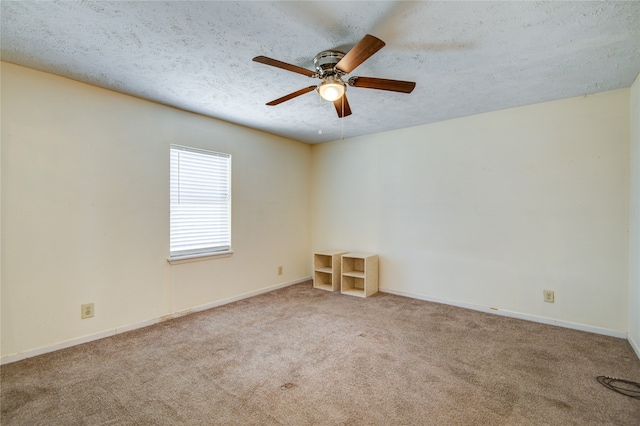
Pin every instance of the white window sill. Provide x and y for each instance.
(176, 260)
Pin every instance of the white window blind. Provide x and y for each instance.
(200, 201)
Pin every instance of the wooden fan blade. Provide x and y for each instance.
(338, 104)
(382, 84)
(292, 95)
(360, 53)
(284, 66)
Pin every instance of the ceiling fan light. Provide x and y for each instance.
(331, 89)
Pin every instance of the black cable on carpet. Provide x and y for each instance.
(625, 387)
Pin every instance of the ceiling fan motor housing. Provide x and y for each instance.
(325, 63)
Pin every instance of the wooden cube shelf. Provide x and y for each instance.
(359, 275)
(326, 269)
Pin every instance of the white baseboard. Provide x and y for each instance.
(108, 333)
(512, 314)
(235, 298)
(635, 346)
(101, 335)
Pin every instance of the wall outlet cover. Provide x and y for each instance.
(86, 311)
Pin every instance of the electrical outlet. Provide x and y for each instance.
(86, 311)
(548, 296)
(279, 270)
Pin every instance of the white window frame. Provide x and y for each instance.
(200, 228)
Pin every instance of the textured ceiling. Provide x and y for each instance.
(466, 57)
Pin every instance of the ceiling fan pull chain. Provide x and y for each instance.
(342, 121)
(321, 119)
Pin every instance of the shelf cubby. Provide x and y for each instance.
(326, 270)
(359, 274)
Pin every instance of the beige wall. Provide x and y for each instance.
(486, 210)
(634, 220)
(85, 211)
(490, 210)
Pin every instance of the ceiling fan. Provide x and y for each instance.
(331, 66)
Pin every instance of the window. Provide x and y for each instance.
(200, 203)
